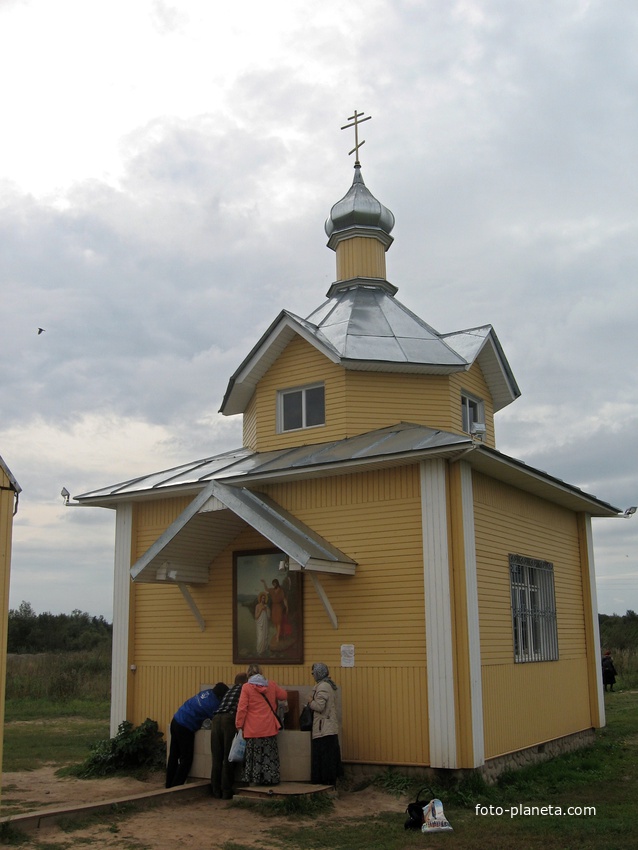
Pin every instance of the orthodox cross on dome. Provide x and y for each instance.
(356, 119)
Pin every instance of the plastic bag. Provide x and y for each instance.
(305, 720)
(434, 819)
(237, 748)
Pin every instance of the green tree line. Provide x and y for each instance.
(619, 631)
(35, 633)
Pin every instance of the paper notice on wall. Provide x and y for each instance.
(347, 655)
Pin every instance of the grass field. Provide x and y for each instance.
(604, 777)
(39, 732)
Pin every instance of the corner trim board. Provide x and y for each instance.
(121, 601)
(438, 615)
(471, 590)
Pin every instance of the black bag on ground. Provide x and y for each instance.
(305, 719)
(414, 810)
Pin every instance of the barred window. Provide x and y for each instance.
(533, 609)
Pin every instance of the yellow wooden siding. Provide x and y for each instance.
(360, 256)
(508, 521)
(381, 608)
(357, 402)
(299, 365)
(150, 519)
(249, 425)
(377, 400)
(471, 382)
(7, 504)
(373, 729)
(528, 704)
(380, 611)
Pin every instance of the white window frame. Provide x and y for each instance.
(472, 412)
(302, 390)
(535, 629)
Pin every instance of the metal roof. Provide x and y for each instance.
(359, 209)
(365, 323)
(393, 446)
(250, 465)
(363, 327)
(482, 345)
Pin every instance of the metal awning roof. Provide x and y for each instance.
(518, 474)
(184, 552)
(383, 446)
(398, 444)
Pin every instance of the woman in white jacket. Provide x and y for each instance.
(325, 750)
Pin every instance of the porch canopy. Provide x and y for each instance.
(184, 552)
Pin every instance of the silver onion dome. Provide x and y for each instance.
(359, 208)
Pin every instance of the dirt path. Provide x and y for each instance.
(188, 824)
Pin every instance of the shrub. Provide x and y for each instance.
(133, 749)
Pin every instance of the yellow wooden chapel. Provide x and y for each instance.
(450, 588)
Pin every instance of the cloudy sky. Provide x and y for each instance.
(165, 172)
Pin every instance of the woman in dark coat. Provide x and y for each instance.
(609, 671)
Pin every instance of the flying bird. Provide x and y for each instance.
(40, 331)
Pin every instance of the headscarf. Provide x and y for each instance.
(320, 673)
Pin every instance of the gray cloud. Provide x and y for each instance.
(503, 141)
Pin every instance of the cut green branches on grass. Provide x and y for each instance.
(134, 749)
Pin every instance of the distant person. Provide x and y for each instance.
(609, 671)
(186, 721)
(257, 718)
(325, 752)
(222, 732)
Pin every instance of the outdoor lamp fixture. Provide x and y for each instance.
(66, 496)
(629, 512)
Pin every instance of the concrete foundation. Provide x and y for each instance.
(294, 756)
(490, 771)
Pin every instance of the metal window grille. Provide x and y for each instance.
(533, 609)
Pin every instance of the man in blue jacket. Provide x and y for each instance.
(186, 721)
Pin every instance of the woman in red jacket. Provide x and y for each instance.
(257, 718)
